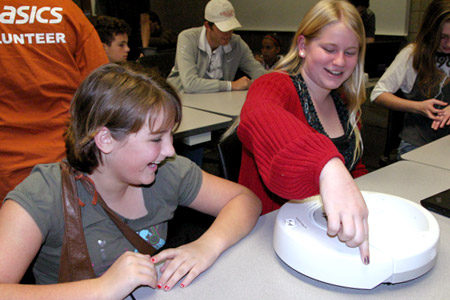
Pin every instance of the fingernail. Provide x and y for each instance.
(366, 260)
(182, 285)
(153, 260)
(159, 286)
(166, 288)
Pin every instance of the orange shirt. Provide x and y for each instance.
(46, 49)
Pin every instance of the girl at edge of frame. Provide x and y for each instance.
(119, 136)
(270, 51)
(299, 124)
(421, 71)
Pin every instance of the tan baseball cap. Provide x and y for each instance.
(221, 13)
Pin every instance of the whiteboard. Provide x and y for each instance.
(392, 16)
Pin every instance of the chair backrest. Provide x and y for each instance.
(230, 152)
(394, 127)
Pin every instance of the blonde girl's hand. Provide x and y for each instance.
(128, 272)
(190, 260)
(344, 205)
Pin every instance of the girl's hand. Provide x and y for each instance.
(259, 57)
(236, 209)
(128, 272)
(191, 259)
(428, 108)
(444, 119)
(345, 207)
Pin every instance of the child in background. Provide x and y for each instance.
(114, 34)
(119, 143)
(270, 51)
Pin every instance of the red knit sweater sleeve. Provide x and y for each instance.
(288, 153)
(359, 170)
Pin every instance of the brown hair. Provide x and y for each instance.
(108, 27)
(426, 45)
(120, 98)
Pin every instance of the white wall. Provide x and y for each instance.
(285, 15)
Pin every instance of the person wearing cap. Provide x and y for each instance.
(208, 57)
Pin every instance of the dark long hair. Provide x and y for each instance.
(427, 44)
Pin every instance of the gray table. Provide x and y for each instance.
(252, 270)
(222, 103)
(196, 126)
(436, 153)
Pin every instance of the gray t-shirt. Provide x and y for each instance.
(177, 183)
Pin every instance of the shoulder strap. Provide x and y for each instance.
(75, 263)
(135, 239)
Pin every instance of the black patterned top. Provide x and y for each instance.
(346, 143)
(443, 62)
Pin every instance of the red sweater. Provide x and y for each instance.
(282, 155)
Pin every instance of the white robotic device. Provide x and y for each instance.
(403, 239)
